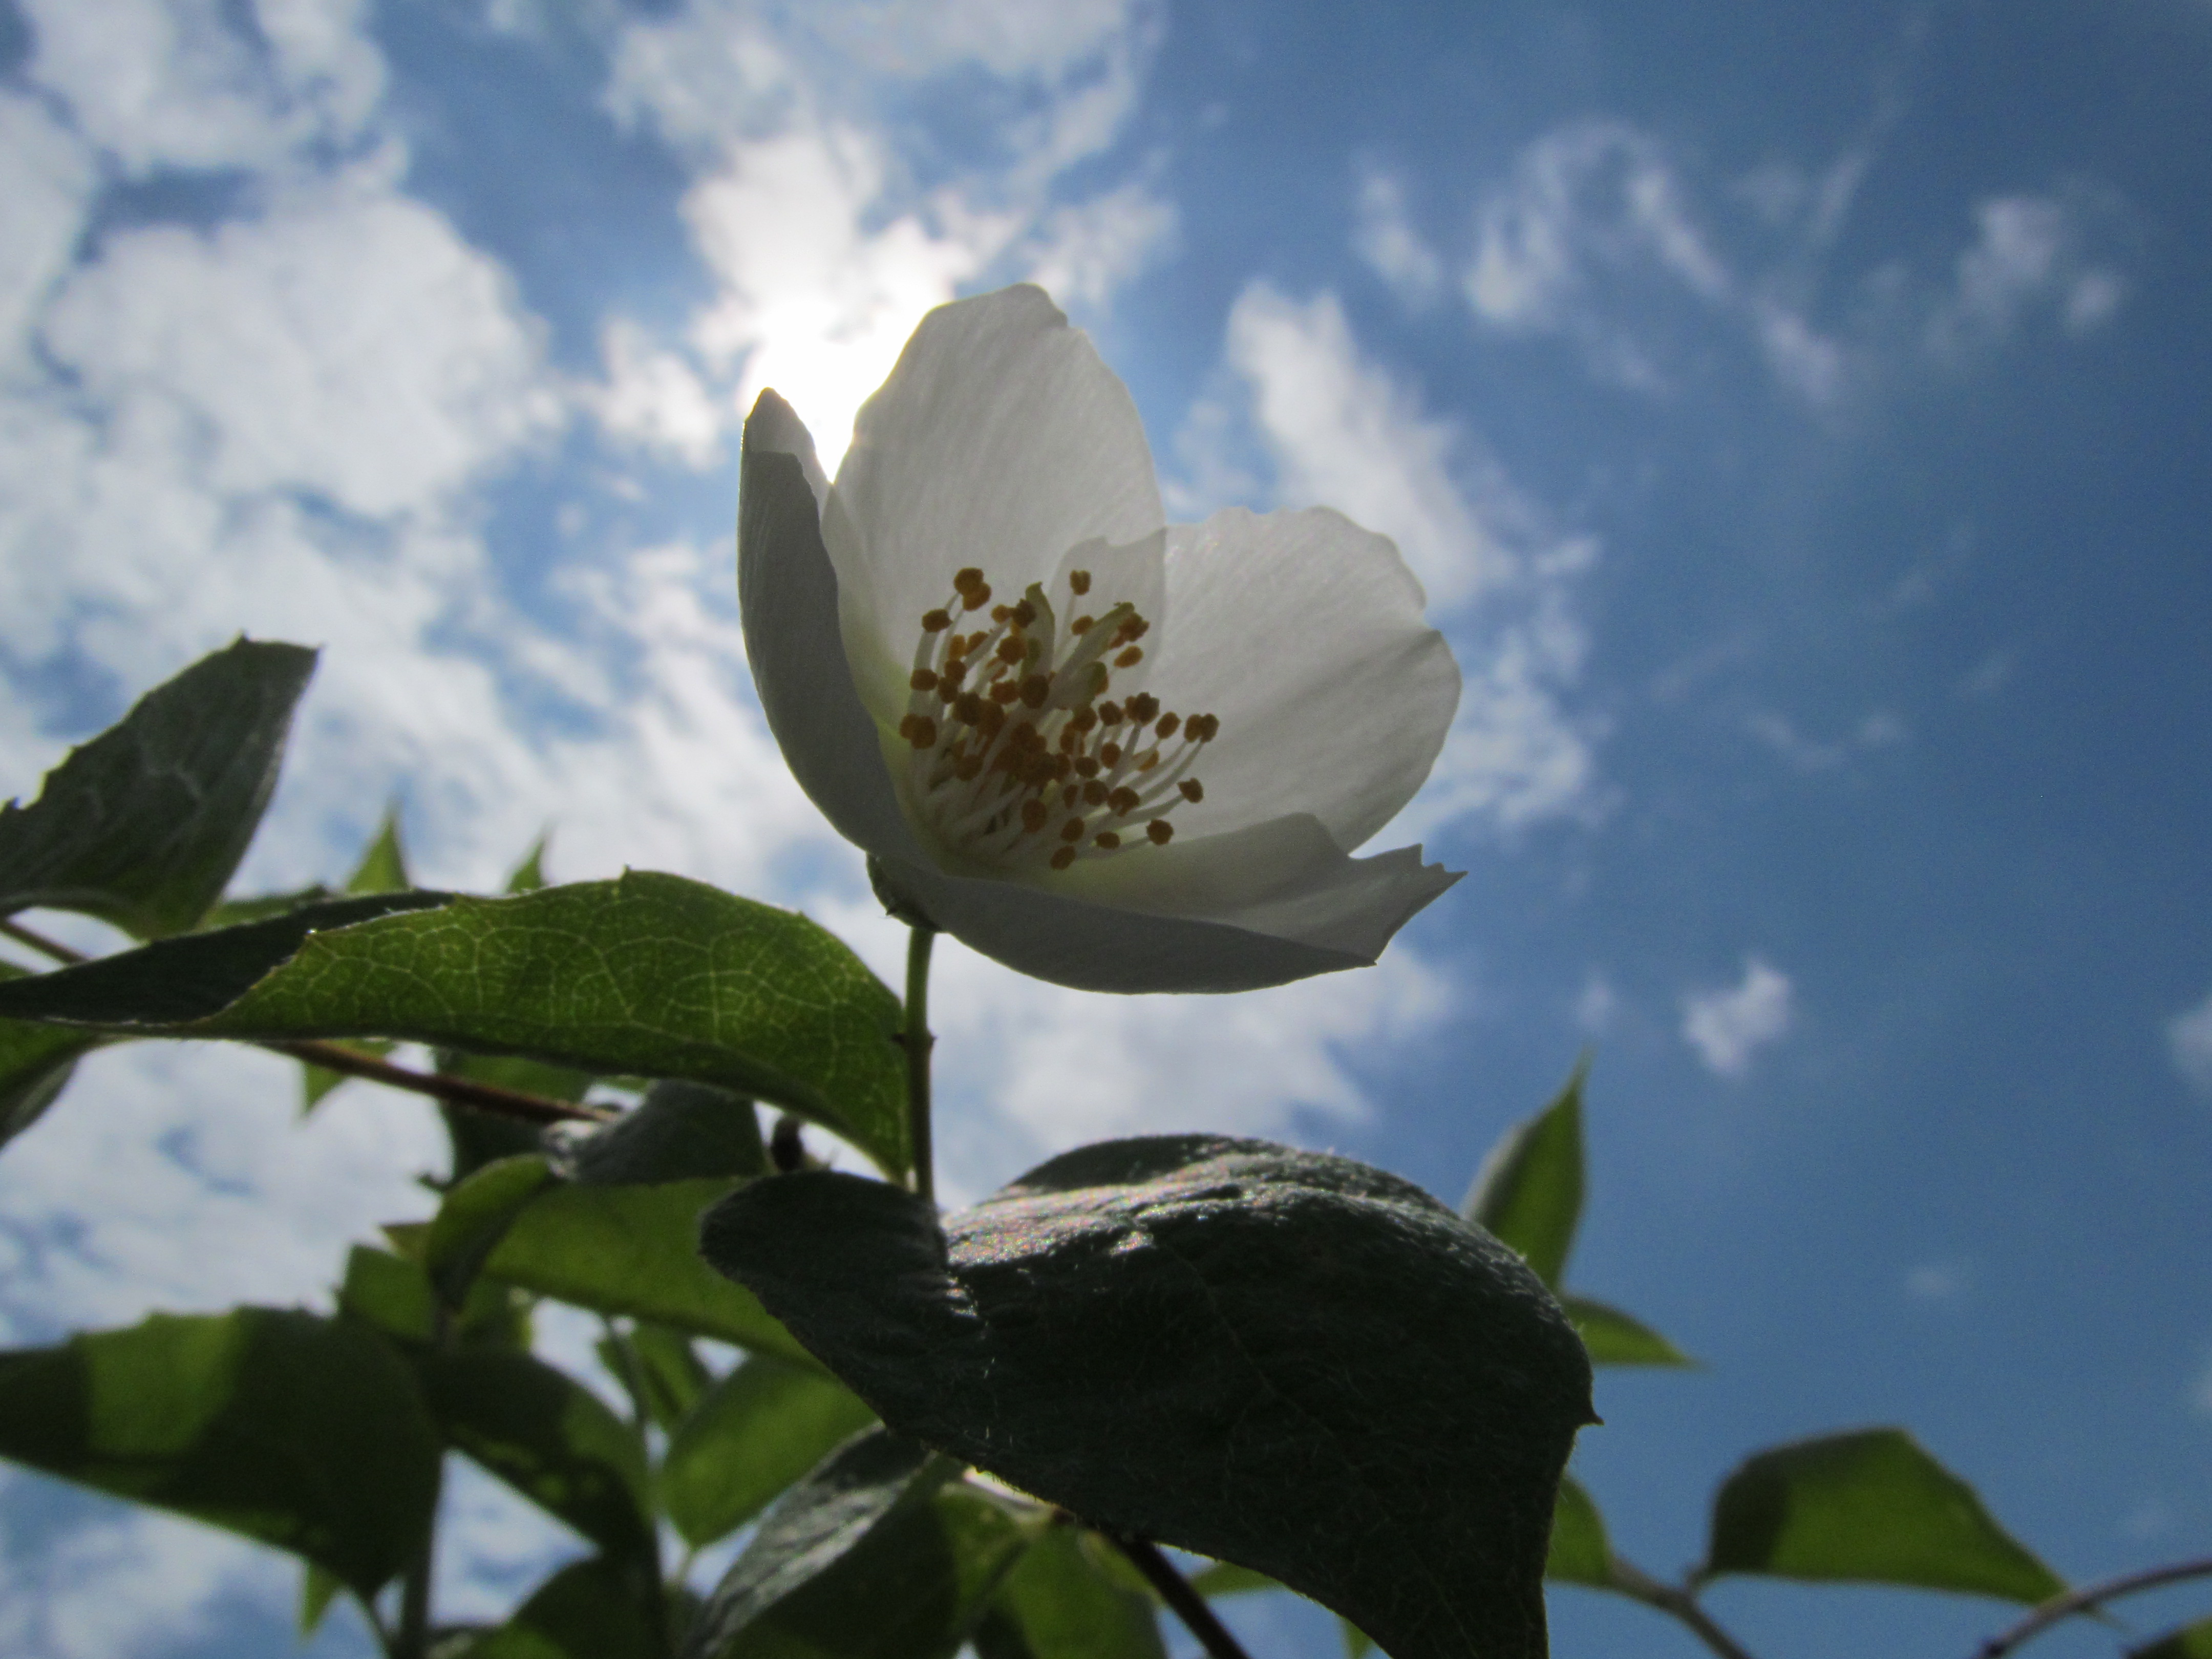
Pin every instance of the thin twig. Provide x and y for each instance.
(917, 1042)
(1186, 1603)
(1633, 1582)
(351, 1062)
(2082, 1601)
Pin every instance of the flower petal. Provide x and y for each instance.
(1000, 440)
(787, 597)
(1305, 633)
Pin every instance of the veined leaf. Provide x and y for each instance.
(590, 1609)
(1529, 1189)
(749, 1437)
(1869, 1505)
(35, 1063)
(142, 825)
(1306, 1366)
(679, 1131)
(1057, 1604)
(1580, 1553)
(1613, 1339)
(475, 1217)
(306, 1433)
(650, 975)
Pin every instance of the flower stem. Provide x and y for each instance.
(2090, 1597)
(917, 1042)
(1186, 1603)
(1633, 1582)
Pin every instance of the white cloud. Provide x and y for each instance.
(2029, 253)
(1728, 1026)
(46, 180)
(655, 399)
(2189, 1039)
(1384, 235)
(1082, 252)
(1940, 1281)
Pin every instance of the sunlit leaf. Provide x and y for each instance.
(1529, 1189)
(1580, 1553)
(530, 875)
(393, 1293)
(1303, 1364)
(307, 1433)
(142, 825)
(1869, 1505)
(475, 1217)
(749, 1437)
(383, 866)
(1613, 1339)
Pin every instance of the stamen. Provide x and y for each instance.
(922, 680)
(1159, 831)
(1078, 582)
(936, 622)
(1168, 725)
(1193, 790)
(1107, 839)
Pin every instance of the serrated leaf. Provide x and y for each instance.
(871, 1558)
(634, 1250)
(383, 866)
(475, 1217)
(590, 1609)
(650, 975)
(142, 825)
(1305, 1365)
(1613, 1339)
(35, 1064)
(1529, 1190)
(1056, 1604)
(530, 875)
(749, 1437)
(679, 1131)
(2190, 1642)
(549, 1438)
(306, 1433)
(1872, 1506)
(1580, 1553)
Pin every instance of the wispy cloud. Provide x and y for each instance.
(1386, 238)
(2188, 1040)
(1729, 1026)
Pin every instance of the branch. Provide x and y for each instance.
(2082, 1601)
(1186, 1603)
(335, 1057)
(1634, 1582)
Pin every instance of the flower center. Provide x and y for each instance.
(1019, 761)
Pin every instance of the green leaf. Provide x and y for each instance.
(634, 1250)
(1057, 1604)
(1872, 1506)
(259, 907)
(475, 1217)
(142, 825)
(1227, 1579)
(749, 1437)
(1357, 1643)
(1304, 1366)
(869, 1558)
(35, 1063)
(2190, 1642)
(316, 1081)
(651, 976)
(679, 1131)
(317, 1589)
(1613, 1339)
(549, 1437)
(530, 875)
(306, 1433)
(1581, 1554)
(1529, 1189)
(394, 1294)
(674, 1376)
(590, 1609)
(383, 866)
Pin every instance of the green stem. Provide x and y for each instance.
(917, 1041)
(1633, 1582)
(2089, 1599)
(411, 1640)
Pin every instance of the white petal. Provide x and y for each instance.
(1000, 440)
(1303, 633)
(787, 596)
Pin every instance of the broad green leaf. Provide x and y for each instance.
(590, 1609)
(871, 1557)
(2190, 1642)
(1304, 1366)
(142, 825)
(1529, 1189)
(679, 1131)
(1227, 1579)
(549, 1437)
(530, 875)
(259, 907)
(1613, 1339)
(393, 1293)
(475, 1217)
(1357, 1643)
(1872, 1506)
(317, 1589)
(674, 1376)
(749, 1437)
(383, 866)
(634, 1250)
(1056, 1604)
(650, 975)
(35, 1063)
(306, 1433)
(1580, 1553)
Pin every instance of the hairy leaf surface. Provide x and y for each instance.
(1305, 1365)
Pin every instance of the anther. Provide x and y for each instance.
(922, 680)
(1035, 689)
(968, 709)
(1072, 794)
(1160, 831)
(1063, 858)
(1144, 707)
(919, 730)
(1011, 650)
(1078, 582)
(936, 622)
(1035, 814)
(1107, 839)
(1111, 713)
(1122, 801)
(1082, 625)
(1168, 725)
(1023, 612)
(954, 672)
(1109, 754)
(1072, 830)
(1082, 719)
(1094, 793)
(1000, 612)
(1086, 766)
(1193, 790)
(1130, 658)
(1005, 691)
(977, 597)
(1203, 727)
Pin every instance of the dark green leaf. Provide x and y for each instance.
(1227, 1579)
(1869, 1505)
(674, 1376)
(869, 1558)
(1581, 1554)
(549, 1437)
(482, 1138)
(749, 1437)
(650, 975)
(383, 866)
(1057, 1603)
(317, 1589)
(634, 1250)
(259, 907)
(316, 1081)
(475, 1217)
(35, 1063)
(142, 825)
(394, 1294)
(2190, 1642)
(530, 875)
(1305, 1365)
(590, 1609)
(1613, 1339)
(679, 1131)
(1357, 1643)
(1529, 1189)
(306, 1433)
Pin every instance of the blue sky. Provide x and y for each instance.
(1796, 416)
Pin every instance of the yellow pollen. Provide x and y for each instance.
(1000, 612)
(1078, 582)
(977, 597)
(1159, 831)
(1011, 650)
(1130, 658)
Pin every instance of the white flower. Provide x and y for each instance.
(1111, 753)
